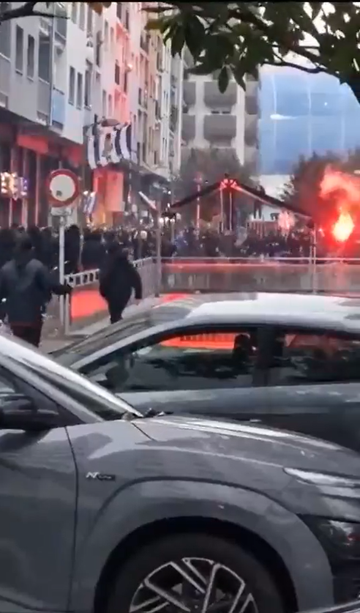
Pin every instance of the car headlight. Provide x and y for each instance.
(323, 479)
(340, 539)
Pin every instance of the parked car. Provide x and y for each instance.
(288, 361)
(103, 510)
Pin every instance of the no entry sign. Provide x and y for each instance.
(62, 187)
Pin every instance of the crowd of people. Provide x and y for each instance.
(86, 250)
(27, 282)
(29, 257)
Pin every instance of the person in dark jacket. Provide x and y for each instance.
(26, 286)
(118, 278)
(93, 252)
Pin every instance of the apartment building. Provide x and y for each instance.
(60, 77)
(229, 120)
(156, 93)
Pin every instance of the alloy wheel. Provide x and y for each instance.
(193, 585)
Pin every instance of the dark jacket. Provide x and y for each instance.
(93, 251)
(118, 278)
(26, 285)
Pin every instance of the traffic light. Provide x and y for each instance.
(98, 7)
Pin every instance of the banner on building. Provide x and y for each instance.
(108, 145)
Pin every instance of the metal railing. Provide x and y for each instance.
(328, 275)
(89, 279)
(189, 275)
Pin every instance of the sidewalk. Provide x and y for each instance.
(54, 343)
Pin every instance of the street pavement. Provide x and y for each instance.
(56, 341)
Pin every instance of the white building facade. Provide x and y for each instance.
(57, 77)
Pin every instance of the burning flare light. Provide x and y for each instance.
(343, 227)
(344, 191)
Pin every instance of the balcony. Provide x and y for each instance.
(252, 88)
(58, 108)
(188, 127)
(251, 129)
(145, 42)
(213, 98)
(4, 81)
(88, 117)
(174, 116)
(157, 110)
(252, 104)
(43, 101)
(189, 88)
(219, 127)
(251, 158)
(159, 61)
(60, 26)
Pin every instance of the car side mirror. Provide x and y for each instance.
(21, 414)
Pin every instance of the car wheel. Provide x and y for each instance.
(194, 573)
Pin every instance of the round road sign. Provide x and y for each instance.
(62, 187)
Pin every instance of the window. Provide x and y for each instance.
(79, 90)
(74, 8)
(103, 103)
(89, 22)
(72, 85)
(44, 58)
(5, 37)
(88, 85)
(30, 62)
(82, 7)
(293, 104)
(7, 390)
(110, 106)
(106, 35)
(300, 357)
(117, 73)
(112, 40)
(19, 57)
(98, 49)
(196, 361)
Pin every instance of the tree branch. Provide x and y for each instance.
(247, 16)
(285, 63)
(26, 10)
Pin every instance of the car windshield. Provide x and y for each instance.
(117, 332)
(104, 338)
(91, 396)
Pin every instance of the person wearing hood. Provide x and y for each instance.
(26, 286)
(118, 279)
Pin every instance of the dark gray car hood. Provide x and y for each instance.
(248, 441)
(254, 458)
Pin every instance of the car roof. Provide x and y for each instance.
(301, 309)
(334, 313)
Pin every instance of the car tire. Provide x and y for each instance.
(235, 565)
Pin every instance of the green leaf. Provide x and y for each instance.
(239, 75)
(177, 41)
(194, 35)
(223, 79)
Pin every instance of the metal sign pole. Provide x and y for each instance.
(63, 189)
(314, 258)
(158, 250)
(62, 224)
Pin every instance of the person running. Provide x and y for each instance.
(118, 278)
(26, 286)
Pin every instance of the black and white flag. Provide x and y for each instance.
(109, 146)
